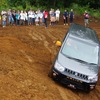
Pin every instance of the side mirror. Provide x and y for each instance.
(58, 43)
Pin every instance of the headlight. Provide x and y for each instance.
(59, 67)
(93, 78)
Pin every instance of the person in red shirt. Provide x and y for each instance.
(45, 18)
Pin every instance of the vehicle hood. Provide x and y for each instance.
(77, 66)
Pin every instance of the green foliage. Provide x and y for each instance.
(92, 3)
(3, 4)
(79, 10)
(79, 6)
(95, 13)
(19, 8)
(28, 6)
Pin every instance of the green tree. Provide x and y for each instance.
(3, 4)
(91, 3)
(49, 3)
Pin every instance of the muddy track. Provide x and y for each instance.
(26, 56)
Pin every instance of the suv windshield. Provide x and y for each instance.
(81, 50)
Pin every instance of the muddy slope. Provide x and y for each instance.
(26, 55)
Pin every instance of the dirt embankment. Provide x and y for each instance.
(26, 55)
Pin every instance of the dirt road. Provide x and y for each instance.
(26, 54)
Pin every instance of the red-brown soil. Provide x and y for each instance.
(26, 55)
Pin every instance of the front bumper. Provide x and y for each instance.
(72, 82)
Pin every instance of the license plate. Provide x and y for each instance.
(71, 86)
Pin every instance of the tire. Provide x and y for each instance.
(87, 90)
(50, 74)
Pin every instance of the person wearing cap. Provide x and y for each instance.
(36, 18)
(86, 19)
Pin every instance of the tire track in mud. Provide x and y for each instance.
(56, 34)
(67, 94)
(37, 36)
(62, 94)
(27, 56)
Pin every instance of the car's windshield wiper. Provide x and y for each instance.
(92, 64)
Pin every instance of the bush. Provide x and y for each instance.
(79, 10)
(19, 8)
(95, 13)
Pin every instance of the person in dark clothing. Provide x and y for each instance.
(71, 16)
(14, 16)
(65, 17)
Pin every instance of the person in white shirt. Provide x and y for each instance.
(26, 17)
(50, 12)
(30, 15)
(40, 14)
(36, 19)
(22, 18)
(3, 12)
(57, 15)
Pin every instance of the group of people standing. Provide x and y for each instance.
(31, 17)
(12, 17)
(67, 15)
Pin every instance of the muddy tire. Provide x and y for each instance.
(50, 74)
